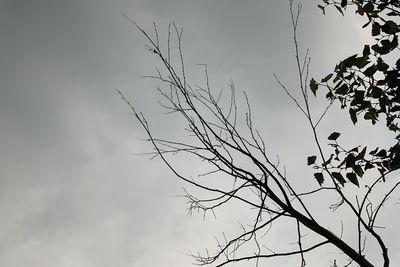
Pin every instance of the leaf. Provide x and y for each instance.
(338, 75)
(313, 86)
(354, 149)
(395, 164)
(358, 170)
(342, 90)
(339, 9)
(366, 50)
(324, 80)
(361, 62)
(333, 136)
(338, 176)
(392, 13)
(371, 115)
(311, 160)
(376, 29)
(348, 62)
(370, 71)
(376, 92)
(395, 109)
(381, 153)
(373, 152)
(360, 10)
(350, 161)
(395, 42)
(353, 115)
(358, 98)
(390, 27)
(361, 155)
(384, 49)
(343, 3)
(352, 178)
(368, 7)
(382, 66)
(319, 177)
(368, 166)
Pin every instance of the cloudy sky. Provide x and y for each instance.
(73, 191)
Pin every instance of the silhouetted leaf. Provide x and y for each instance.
(338, 176)
(395, 42)
(333, 136)
(366, 50)
(368, 7)
(370, 71)
(313, 86)
(327, 78)
(350, 161)
(354, 149)
(371, 115)
(342, 90)
(353, 115)
(376, 29)
(311, 160)
(373, 152)
(396, 162)
(382, 66)
(381, 153)
(384, 49)
(319, 177)
(348, 62)
(390, 27)
(339, 9)
(368, 166)
(361, 62)
(352, 178)
(361, 155)
(360, 10)
(376, 92)
(358, 170)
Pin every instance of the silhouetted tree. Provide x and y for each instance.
(366, 84)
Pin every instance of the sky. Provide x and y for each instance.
(73, 189)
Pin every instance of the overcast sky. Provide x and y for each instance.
(73, 192)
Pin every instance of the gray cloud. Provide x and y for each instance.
(72, 190)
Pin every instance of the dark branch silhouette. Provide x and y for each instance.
(222, 143)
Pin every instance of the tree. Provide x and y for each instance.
(236, 154)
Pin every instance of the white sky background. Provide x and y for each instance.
(72, 190)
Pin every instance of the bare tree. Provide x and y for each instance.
(221, 143)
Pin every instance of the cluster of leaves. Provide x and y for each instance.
(368, 85)
(355, 162)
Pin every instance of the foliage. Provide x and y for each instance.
(367, 84)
